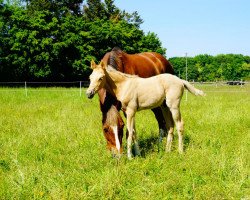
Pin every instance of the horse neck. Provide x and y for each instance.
(114, 81)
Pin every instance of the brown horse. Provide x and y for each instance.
(145, 65)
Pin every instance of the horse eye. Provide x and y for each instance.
(100, 79)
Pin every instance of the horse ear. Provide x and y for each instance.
(103, 65)
(93, 65)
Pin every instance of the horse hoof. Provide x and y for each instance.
(168, 149)
(181, 150)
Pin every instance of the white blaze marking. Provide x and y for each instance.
(117, 142)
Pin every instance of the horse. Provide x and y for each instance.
(145, 65)
(136, 93)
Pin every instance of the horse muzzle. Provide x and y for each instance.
(90, 94)
(115, 153)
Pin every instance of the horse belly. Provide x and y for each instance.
(150, 97)
(150, 104)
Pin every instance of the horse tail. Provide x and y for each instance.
(192, 89)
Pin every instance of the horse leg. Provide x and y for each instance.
(125, 115)
(137, 149)
(130, 126)
(161, 121)
(170, 127)
(176, 114)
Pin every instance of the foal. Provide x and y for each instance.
(137, 94)
(144, 65)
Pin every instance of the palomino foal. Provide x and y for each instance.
(137, 93)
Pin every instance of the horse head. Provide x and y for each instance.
(97, 79)
(113, 130)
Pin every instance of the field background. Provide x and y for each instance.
(52, 147)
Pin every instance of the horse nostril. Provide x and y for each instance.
(105, 130)
(90, 94)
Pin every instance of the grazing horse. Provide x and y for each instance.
(145, 65)
(137, 94)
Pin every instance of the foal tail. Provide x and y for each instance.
(192, 89)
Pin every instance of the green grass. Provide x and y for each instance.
(52, 147)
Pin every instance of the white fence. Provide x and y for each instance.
(222, 83)
(50, 86)
(80, 85)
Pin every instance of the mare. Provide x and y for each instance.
(137, 94)
(145, 65)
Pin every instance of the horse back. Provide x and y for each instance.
(146, 64)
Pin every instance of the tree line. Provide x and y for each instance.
(47, 40)
(55, 40)
(212, 68)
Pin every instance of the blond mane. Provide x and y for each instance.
(111, 69)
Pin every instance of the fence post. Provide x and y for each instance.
(186, 78)
(25, 87)
(80, 88)
(186, 95)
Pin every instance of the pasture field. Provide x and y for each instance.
(52, 147)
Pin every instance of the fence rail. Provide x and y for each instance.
(80, 85)
(86, 83)
(29, 85)
(45, 84)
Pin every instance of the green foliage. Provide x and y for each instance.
(52, 40)
(56, 7)
(149, 42)
(52, 147)
(49, 40)
(211, 68)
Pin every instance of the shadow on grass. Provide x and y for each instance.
(151, 144)
(187, 140)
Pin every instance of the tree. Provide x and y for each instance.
(151, 42)
(96, 9)
(54, 41)
(58, 8)
(211, 68)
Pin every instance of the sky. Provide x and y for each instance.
(195, 26)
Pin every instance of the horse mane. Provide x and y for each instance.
(115, 58)
(112, 69)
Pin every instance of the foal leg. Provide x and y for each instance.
(176, 114)
(170, 127)
(137, 149)
(130, 127)
(179, 125)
